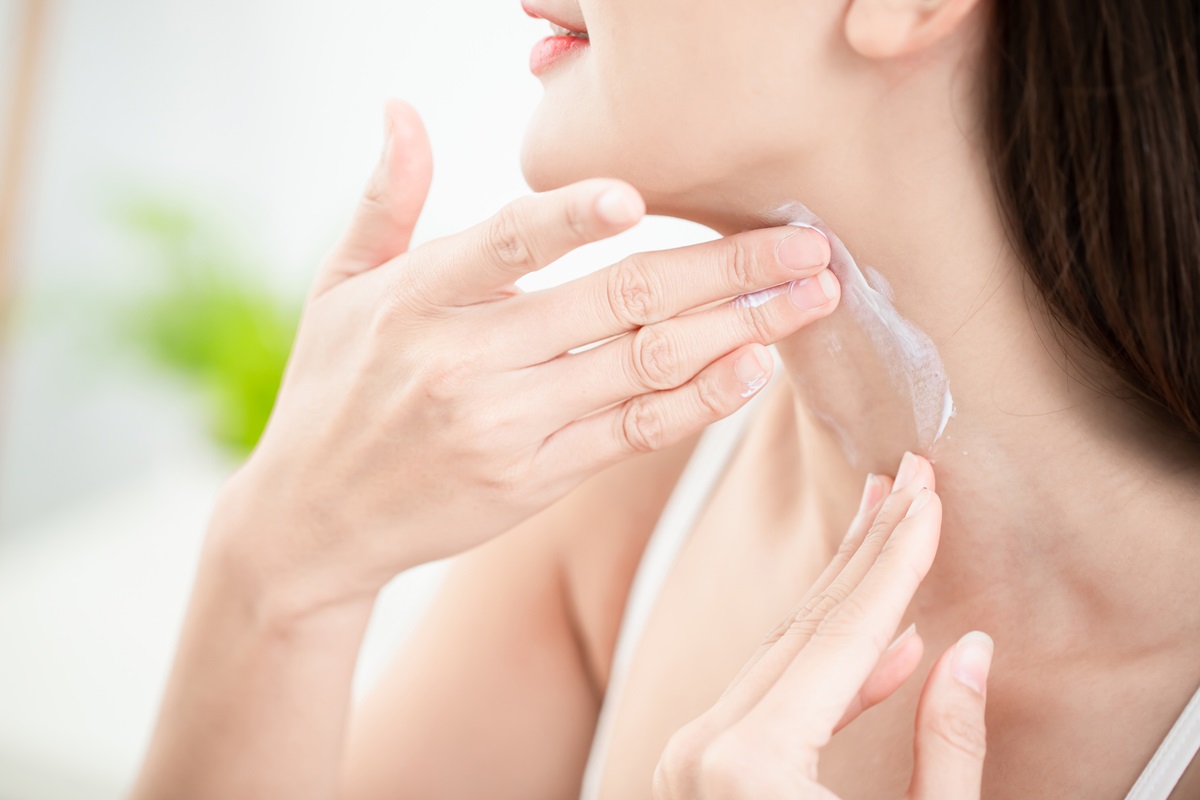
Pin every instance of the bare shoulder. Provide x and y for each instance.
(608, 522)
(603, 529)
(512, 655)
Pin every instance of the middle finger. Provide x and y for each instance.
(645, 288)
(830, 670)
(667, 354)
(855, 560)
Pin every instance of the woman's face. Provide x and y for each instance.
(686, 98)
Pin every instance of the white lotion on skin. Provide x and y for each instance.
(756, 299)
(914, 366)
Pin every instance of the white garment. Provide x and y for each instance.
(683, 508)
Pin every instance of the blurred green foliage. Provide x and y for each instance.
(209, 318)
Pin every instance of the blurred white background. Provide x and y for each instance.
(264, 118)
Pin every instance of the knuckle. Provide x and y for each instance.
(731, 766)
(577, 215)
(880, 531)
(387, 312)
(481, 444)
(504, 480)
(847, 549)
(740, 265)
(505, 240)
(655, 360)
(710, 394)
(777, 633)
(640, 427)
(820, 604)
(805, 622)
(400, 299)
(759, 322)
(443, 381)
(848, 622)
(803, 628)
(375, 194)
(961, 729)
(631, 293)
(735, 762)
(797, 620)
(679, 765)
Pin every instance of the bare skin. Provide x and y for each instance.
(755, 545)
(423, 414)
(1069, 530)
(1060, 723)
(1068, 524)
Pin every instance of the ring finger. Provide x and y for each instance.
(668, 354)
(650, 287)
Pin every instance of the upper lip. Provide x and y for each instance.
(534, 9)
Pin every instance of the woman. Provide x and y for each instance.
(1022, 173)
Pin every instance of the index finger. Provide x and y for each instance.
(649, 287)
(827, 674)
(878, 515)
(527, 234)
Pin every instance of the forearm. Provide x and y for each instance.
(258, 697)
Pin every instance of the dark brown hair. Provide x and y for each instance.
(1093, 116)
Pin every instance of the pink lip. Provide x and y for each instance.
(532, 10)
(553, 49)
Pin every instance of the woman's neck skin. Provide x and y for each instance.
(1060, 501)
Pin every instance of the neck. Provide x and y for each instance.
(1059, 499)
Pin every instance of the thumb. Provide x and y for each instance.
(382, 225)
(951, 738)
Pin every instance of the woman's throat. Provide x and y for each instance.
(870, 375)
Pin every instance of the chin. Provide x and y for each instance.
(562, 146)
(547, 163)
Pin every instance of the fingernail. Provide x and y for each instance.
(906, 473)
(872, 493)
(902, 638)
(616, 206)
(972, 659)
(919, 502)
(751, 369)
(810, 293)
(802, 250)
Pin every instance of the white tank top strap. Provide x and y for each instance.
(679, 515)
(1172, 758)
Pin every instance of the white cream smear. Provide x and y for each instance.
(906, 354)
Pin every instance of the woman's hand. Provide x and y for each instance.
(429, 404)
(830, 661)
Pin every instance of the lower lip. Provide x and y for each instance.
(551, 49)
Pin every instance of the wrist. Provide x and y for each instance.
(275, 565)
